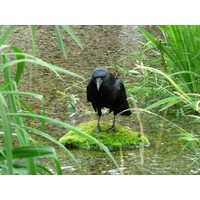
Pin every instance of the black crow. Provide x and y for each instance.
(106, 90)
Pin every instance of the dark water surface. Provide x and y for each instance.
(101, 48)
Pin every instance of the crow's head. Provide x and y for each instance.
(99, 75)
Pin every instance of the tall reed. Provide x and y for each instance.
(181, 50)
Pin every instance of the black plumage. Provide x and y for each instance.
(106, 90)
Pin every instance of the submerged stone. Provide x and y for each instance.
(113, 140)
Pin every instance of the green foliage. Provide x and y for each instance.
(60, 41)
(184, 45)
(181, 49)
(177, 85)
(188, 101)
(71, 33)
(6, 35)
(180, 58)
(192, 141)
(11, 119)
(32, 59)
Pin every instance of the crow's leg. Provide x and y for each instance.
(99, 117)
(98, 125)
(112, 128)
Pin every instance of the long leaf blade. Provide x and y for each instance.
(161, 102)
(42, 63)
(60, 41)
(156, 43)
(6, 34)
(70, 32)
(32, 31)
(20, 65)
(7, 136)
(31, 151)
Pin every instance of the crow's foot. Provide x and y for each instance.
(112, 128)
(99, 129)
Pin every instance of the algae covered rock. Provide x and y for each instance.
(113, 140)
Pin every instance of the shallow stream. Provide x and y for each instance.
(101, 48)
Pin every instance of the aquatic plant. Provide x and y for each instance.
(187, 100)
(179, 75)
(174, 87)
(180, 54)
(123, 138)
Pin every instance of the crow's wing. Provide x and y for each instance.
(121, 97)
(89, 92)
(90, 87)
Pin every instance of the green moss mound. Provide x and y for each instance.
(113, 140)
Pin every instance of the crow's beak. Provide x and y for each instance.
(98, 82)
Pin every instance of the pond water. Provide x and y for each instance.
(101, 48)
(161, 157)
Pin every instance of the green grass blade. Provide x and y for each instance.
(163, 101)
(21, 168)
(60, 41)
(40, 97)
(171, 103)
(7, 136)
(4, 86)
(4, 46)
(13, 92)
(6, 34)
(150, 37)
(21, 134)
(20, 65)
(183, 42)
(32, 31)
(58, 167)
(36, 151)
(70, 32)
(168, 78)
(41, 169)
(54, 141)
(156, 43)
(39, 62)
(26, 106)
(31, 151)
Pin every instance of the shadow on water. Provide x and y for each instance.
(100, 46)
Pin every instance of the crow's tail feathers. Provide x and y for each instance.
(126, 113)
